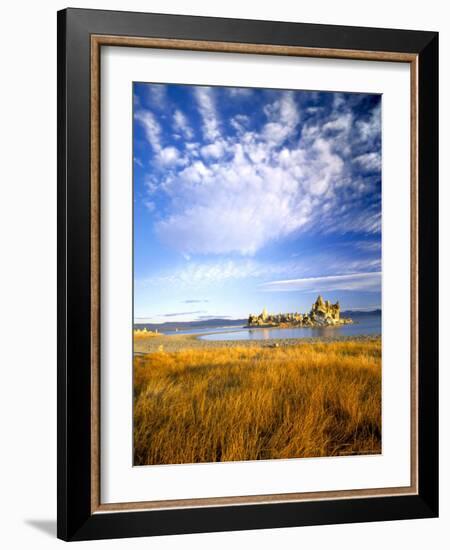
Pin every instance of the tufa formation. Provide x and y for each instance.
(323, 313)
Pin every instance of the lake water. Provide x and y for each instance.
(201, 330)
(368, 325)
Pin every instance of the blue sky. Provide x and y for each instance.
(247, 198)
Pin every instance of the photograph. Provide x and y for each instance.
(257, 273)
(247, 272)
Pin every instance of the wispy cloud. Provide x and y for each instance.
(157, 95)
(239, 92)
(166, 156)
(205, 273)
(150, 205)
(207, 108)
(370, 162)
(170, 156)
(340, 123)
(151, 127)
(181, 124)
(368, 246)
(182, 313)
(370, 129)
(213, 273)
(206, 317)
(181, 316)
(367, 282)
(283, 118)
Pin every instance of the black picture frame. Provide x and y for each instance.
(75, 518)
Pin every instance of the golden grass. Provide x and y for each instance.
(139, 334)
(250, 403)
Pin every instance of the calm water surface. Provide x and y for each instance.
(200, 330)
(370, 325)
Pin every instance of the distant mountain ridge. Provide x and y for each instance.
(172, 325)
(356, 313)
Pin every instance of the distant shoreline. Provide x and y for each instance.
(215, 323)
(293, 325)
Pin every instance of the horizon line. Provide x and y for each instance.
(148, 320)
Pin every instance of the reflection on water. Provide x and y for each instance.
(201, 330)
(370, 325)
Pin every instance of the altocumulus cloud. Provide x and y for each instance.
(267, 166)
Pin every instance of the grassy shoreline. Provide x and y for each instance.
(204, 401)
(178, 342)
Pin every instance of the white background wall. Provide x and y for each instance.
(28, 271)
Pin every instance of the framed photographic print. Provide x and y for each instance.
(247, 260)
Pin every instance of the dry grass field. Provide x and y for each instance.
(252, 403)
(144, 334)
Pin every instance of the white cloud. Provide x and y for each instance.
(314, 110)
(371, 128)
(166, 156)
(366, 222)
(325, 167)
(338, 101)
(193, 173)
(369, 162)
(237, 206)
(239, 123)
(283, 119)
(182, 313)
(363, 282)
(206, 105)
(151, 185)
(197, 274)
(150, 205)
(254, 195)
(151, 127)
(341, 123)
(180, 123)
(239, 92)
(310, 131)
(213, 150)
(158, 95)
(170, 156)
(368, 246)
